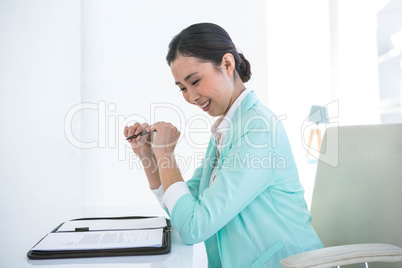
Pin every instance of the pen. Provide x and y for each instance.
(140, 134)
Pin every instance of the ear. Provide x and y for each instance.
(228, 63)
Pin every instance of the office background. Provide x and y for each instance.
(73, 73)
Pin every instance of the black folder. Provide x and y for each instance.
(84, 253)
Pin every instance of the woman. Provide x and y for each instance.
(245, 201)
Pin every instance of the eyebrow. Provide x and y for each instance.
(187, 77)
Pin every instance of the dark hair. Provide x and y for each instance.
(208, 42)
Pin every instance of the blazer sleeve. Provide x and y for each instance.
(193, 183)
(240, 180)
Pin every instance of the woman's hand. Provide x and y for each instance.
(165, 138)
(141, 145)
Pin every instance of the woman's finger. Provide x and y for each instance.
(138, 130)
(132, 129)
(153, 127)
(143, 139)
(144, 125)
(126, 131)
(148, 129)
(138, 139)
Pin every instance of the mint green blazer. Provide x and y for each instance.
(254, 213)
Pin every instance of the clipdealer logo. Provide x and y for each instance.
(98, 125)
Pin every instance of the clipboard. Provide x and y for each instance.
(86, 253)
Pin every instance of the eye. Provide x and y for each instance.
(195, 82)
(183, 89)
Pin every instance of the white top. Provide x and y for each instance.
(219, 130)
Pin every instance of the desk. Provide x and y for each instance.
(15, 245)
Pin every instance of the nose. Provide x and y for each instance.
(193, 96)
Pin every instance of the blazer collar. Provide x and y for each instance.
(245, 105)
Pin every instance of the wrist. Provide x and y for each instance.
(162, 154)
(166, 160)
(154, 185)
(146, 157)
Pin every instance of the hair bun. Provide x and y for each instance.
(245, 69)
(208, 42)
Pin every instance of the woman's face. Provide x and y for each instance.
(202, 84)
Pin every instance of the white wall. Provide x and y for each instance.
(39, 81)
(357, 74)
(321, 53)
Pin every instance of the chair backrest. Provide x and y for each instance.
(357, 194)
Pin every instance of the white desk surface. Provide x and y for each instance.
(30, 229)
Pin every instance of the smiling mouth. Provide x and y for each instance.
(206, 104)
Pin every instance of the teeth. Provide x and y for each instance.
(206, 104)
